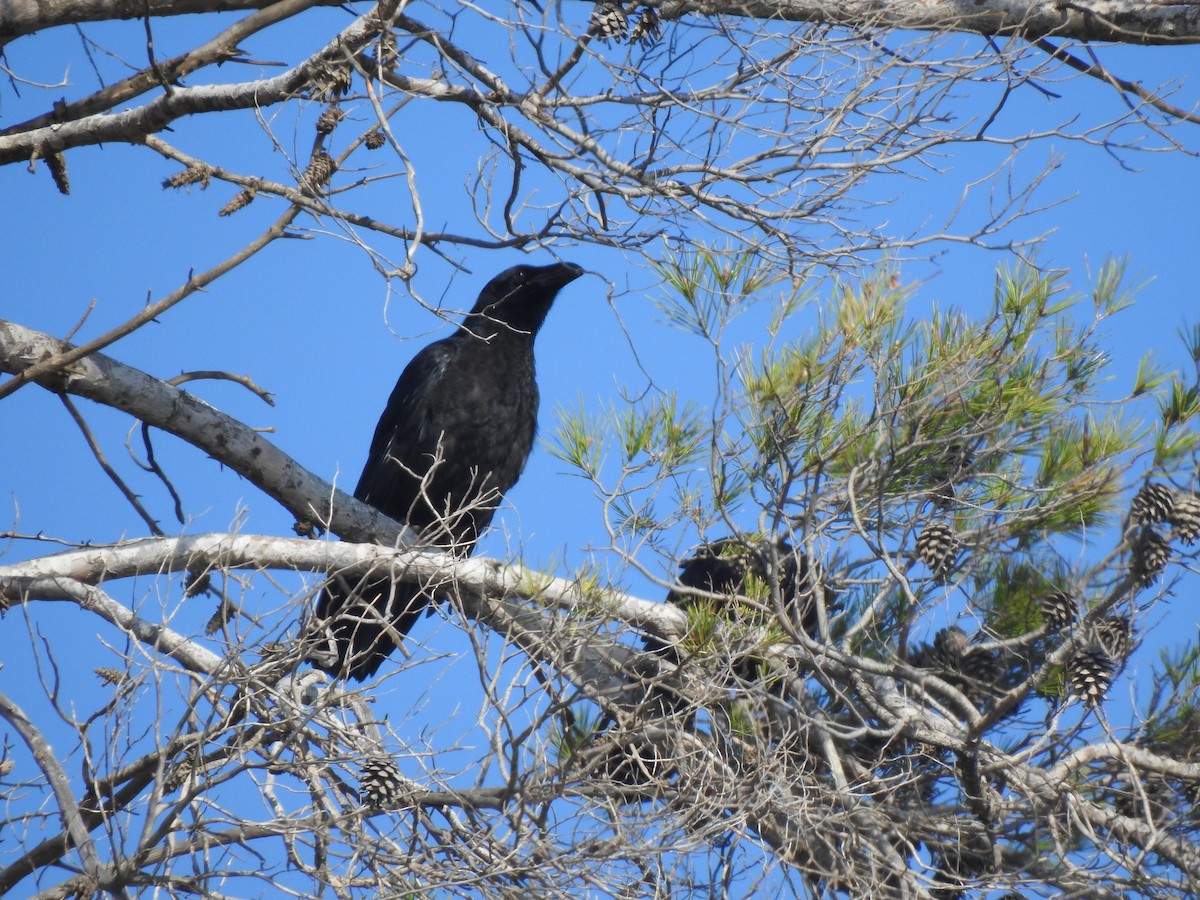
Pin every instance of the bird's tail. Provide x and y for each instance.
(359, 622)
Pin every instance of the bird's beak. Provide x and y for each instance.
(557, 276)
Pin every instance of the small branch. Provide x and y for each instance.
(324, 207)
(83, 318)
(194, 283)
(219, 49)
(1100, 73)
(244, 380)
(1138, 757)
(151, 465)
(43, 136)
(18, 19)
(116, 479)
(509, 599)
(57, 576)
(187, 653)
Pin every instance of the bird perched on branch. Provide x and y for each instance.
(728, 566)
(452, 440)
(734, 590)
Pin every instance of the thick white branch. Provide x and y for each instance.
(1124, 754)
(133, 125)
(492, 593)
(483, 577)
(160, 637)
(1120, 21)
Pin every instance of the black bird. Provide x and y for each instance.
(452, 440)
(727, 566)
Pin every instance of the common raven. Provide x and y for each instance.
(727, 568)
(452, 440)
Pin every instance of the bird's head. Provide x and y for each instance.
(518, 299)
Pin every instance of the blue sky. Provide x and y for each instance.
(311, 321)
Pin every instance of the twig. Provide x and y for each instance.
(116, 479)
(194, 284)
(1099, 72)
(87, 312)
(244, 380)
(188, 653)
(218, 49)
(230, 442)
(151, 465)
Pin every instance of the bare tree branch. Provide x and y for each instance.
(134, 125)
(21, 17)
(151, 311)
(1121, 21)
(99, 378)
(917, 710)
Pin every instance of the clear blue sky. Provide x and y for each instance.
(312, 322)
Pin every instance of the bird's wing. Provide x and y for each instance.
(403, 436)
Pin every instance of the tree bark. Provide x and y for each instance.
(21, 17)
(1118, 21)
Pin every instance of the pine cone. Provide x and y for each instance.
(954, 461)
(225, 612)
(609, 22)
(330, 79)
(648, 28)
(380, 783)
(1058, 610)
(57, 164)
(200, 174)
(320, 169)
(957, 458)
(982, 667)
(633, 764)
(374, 139)
(1149, 556)
(1152, 505)
(937, 547)
(972, 670)
(1090, 674)
(329, 119)
(1114, 635)
(240, 201)
(1185, 517)
(111, 676)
